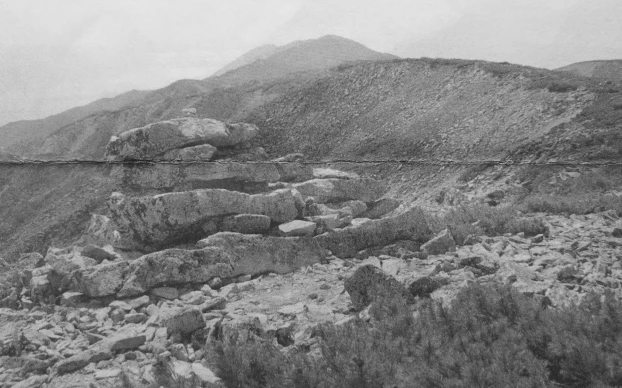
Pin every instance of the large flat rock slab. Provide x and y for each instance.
(161, 220)
(346, 242)
(158, 138)
(223, 255)
(214, 175)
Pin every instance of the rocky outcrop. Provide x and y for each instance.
(346, 242)
(158, 138)
(335, 189)
(224, 255)
(441, 243)
(245, 177)
(164, 219)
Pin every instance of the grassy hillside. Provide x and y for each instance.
(608, 70)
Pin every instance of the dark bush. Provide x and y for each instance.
(490, 337)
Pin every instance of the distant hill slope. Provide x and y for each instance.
(28, 129)
(255, 54)
(610, 69)
(262, 64)
(302, 56)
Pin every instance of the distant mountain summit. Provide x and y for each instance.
(263, 63)
(271, 62)
(606, 69)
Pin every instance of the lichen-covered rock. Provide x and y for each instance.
(346, 242)
(223, 255)
(336, 190)
(368, 283)
(203, 152)
(246, 224)
(255, 254)
(164, 219)
(441, 243)
(217, 175)
(297, 228)
(182, 320)
(155, 139)
(101, 280)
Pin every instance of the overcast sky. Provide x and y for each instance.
(58, 54)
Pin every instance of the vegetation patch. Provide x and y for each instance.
(490, 336)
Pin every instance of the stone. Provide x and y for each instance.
(424, 286)
(102, 374)
(297, 228)
(72, 299)
(34, 381)
(82, 359)
(120, 304)
(380, 207)
(294, 172)
(155, 139)
(138, 302)
(255, 254)
(329, 222)
(204, 374)
(203, 152)
(184, 320)
(369, 283)
(441, 243)
(135, 318)
(336, 190)
(194, 298)
(99, 253)
(327, 173)
(102, 280)
(164, 219)
(165, 293)
(123, 342)
(246, 224)
(346, 242)
(235, 176)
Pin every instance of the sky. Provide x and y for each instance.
(55, 55)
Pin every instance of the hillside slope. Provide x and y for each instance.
(609, 70)
(20, 131)
(395, 110)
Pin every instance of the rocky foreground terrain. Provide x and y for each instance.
(269, 247)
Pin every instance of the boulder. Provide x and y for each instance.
(381, 207)
(155, 139)
(102, 280)
(161, 220)
(182, 320)
(297, 228)
(246, 224)
(294, 172)
(82, 359)
(203, 152)
(223, 255)
(256, 254)
(327, 173)
(441, 243)
(336, 190)
(346, 242)
(99, 253)
(216, 175)
(369, 283)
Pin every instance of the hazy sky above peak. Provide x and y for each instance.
(55, 55)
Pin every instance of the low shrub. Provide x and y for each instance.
(490, 336)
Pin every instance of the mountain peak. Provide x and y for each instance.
(270, 61)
